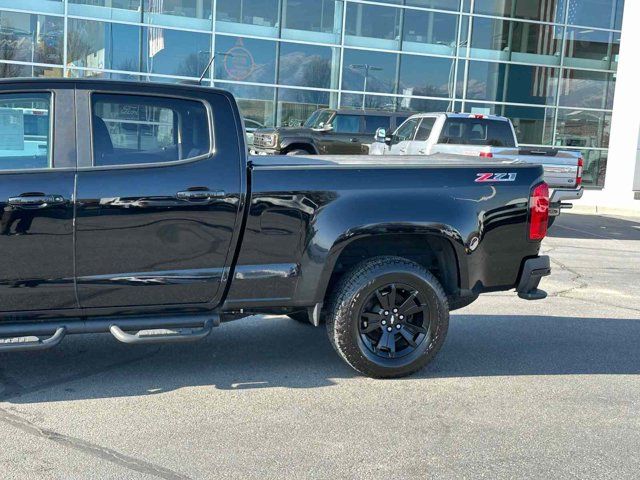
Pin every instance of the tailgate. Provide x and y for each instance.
(560, 166)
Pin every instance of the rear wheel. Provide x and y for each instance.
(388, 317)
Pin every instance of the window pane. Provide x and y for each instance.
(372, 26)
(31, 38)
(369, 102)
(424, 130)
(429, 32)
(439, 4)
(580, 128)
(583, 88)
(255, 103)
(320, 16)
(588, 48)
(595, 167)
(374, 122)
(103, 45)
(245, 59)
(477, 131)
(122, 10)
(14, 70)
(307, 65)
(369, 71)
(24, 131)
(175, 52)
(261, 15)
(295, 106)
(179, 8)
(511, 83)
(518, 41)
(346, 123)
(532, 125)
(129, 130)
(542, 10)
(596, 13)
(407, 130)
(426, 76)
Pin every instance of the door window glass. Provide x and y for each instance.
(25, 131)
(129, 130)
(407, 130)
(424, 131)
(374, 122)
(346, 123)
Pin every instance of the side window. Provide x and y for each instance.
(424, 130)
(25, 131)
(374, 122)
(132, 130)
(346, 123)
(407, 130)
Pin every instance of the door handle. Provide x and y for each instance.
(199, 195)
(403, 150)
(422, 152)
(38, 200)
(354, 140)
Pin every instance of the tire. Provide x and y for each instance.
(299, 151)
(301, 317)
(356, 320)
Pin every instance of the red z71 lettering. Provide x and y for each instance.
(496, 177)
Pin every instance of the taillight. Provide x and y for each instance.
(580, 170)
(486, 154)
(539, 211)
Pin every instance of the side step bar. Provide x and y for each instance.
(162, 335)
(16, 337)
(21, 344)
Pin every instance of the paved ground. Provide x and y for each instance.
(536, 389)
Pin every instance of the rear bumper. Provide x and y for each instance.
(533, 269)
(559, 195)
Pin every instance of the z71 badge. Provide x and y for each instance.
(496, 177)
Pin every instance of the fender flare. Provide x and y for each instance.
(287, 142)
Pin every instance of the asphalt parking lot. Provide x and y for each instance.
(535, 389)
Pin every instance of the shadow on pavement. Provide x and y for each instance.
(271, 353)
(595, 227)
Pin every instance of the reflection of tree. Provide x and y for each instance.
(79, 46)
(306, 70)
(190, 66)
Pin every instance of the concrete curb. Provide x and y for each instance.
(605, 210)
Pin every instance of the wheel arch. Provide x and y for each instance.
(430, 249)
(299, 143)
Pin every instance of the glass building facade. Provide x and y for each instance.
(549, 65)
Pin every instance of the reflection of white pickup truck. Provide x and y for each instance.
(483, 136)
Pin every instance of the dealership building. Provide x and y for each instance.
(564, 71)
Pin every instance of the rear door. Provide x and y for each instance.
(158, 196)
(37, 167)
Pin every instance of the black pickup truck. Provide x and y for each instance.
(133, 209)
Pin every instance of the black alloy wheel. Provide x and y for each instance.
(387, 317)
